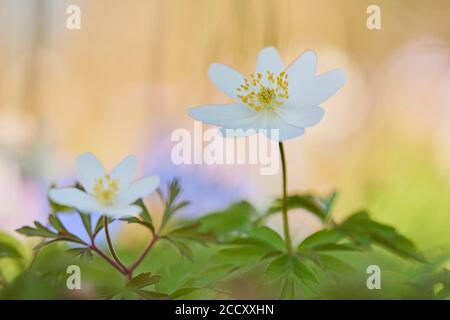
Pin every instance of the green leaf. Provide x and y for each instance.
(328, 203)
(142, 280)
(99, 225)
(444, 279)
(320, 238)
(268, 236)
(215, 273)
(46, 243)
(272, 254)
(82, 253)
(288, 289)
(139, 221)
(144, 218)
(307, 202)
(263, 238)
(38, 231)
(171, 203)
(335, 265)
(230, 223)
(66, 237)
(10, 247)
(240, 255)
(277, 268)
(145, 215)
(303, 273)
(86, 219)
(290, 266)
(56, 223)
(152, 295)
(182, 248)
(192, 231)
(183, 292)
(364, 231)
(326, 240)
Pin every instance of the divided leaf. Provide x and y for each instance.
(192, 231)
(99, 225)
(364, 231)
(86, 219)
(230, 223)
(82, 253)
(56, 223)
(290, 268)
(307, 202)
(171, 203)
(241, 255)
(10, 247)
(326, 240)
(38, 231)
(142, 280)
(152, 295)
(262, 237)
(182, 248)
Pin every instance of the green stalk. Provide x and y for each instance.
(287, 235)
(110, 245)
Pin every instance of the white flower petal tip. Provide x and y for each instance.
(309, 57)
(89, 169)
(88, 159)
(302, 117)
(326, 85)
(125, 171)
(74, 198)
(225, 78)
(341, 77)
(141, 188)
(221, 114)
(269, 60)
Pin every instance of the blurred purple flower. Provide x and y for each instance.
(206, 187)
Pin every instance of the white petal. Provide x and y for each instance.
(247, 126)
(121, 212)
(285, 130)
(319, 90)
(89, 169)
(301, 72)
(226, 79)
(141, 188)
(124, 171)
(301, 116)
(221, 114)
(74, 198)
(269, 59)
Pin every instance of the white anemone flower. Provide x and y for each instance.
(274, 97)
(111, 194)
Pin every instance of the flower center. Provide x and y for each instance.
(263, 91)
(106, 189)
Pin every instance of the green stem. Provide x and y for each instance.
(110, 245)
(287, 235)
(135, 264)
(107, 259)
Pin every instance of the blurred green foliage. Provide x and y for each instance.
(229, 254)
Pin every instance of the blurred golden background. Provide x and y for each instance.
(125, 80)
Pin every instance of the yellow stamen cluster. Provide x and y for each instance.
(105, 190)
(264, 91)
